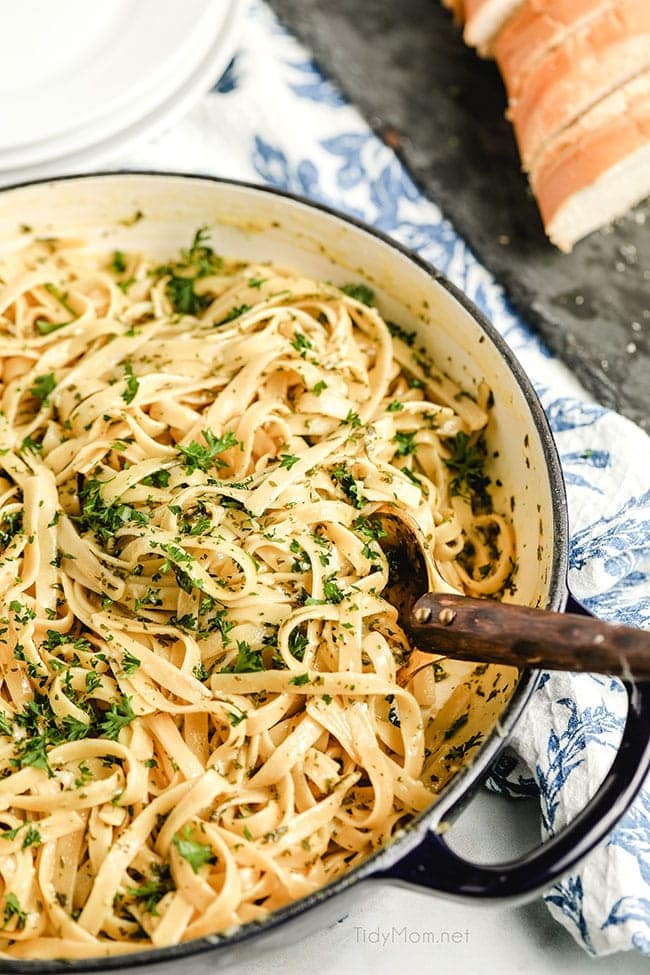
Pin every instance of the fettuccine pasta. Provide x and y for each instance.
(200, 717)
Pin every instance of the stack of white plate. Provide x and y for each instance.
(82, 80)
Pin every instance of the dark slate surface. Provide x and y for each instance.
(404, 64)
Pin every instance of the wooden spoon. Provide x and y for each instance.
(488, 631)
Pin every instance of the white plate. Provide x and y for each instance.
(65, 65)
(66, 157)
(213, 23)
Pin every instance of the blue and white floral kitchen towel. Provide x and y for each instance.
(273, 118)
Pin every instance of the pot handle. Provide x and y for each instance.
(432, 865)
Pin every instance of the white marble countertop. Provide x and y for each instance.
(507, 940)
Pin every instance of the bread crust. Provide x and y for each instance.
(483, 21)
(611, 132)
(535, 29)
(587, 67)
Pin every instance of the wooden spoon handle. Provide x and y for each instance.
(503, 633)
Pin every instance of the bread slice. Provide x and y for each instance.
(597, 168)
(590, 64)
(537, 27)
(483, 21)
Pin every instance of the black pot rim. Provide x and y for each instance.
(464, 783)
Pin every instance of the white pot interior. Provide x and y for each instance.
(253, 224)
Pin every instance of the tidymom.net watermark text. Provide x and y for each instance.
(408, 936)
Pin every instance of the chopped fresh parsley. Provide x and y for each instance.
(11, 524)
(43, 729)
(456, 726)
(152, 891)
(54, 639)
(178, 558)
(353, 419)
(460, 751)
(302, 563)
(400, 333)
(60, 297)
(196, 854)
(202, 457)
(118, 263)
(200, 256)
(10, 834)
(102, 519)
(301, 343)
(319, 387)
(200, 672)
(371, 529)
(300, 680)
(346, 481)
(393, 713)
(31, 838)
(236, 719)
(405, 443)
(119, 715)
(130, 663)
(43, 386)
(38, 721)
(85, 775)
(198, 523)
(22, 612)
(93, 681)
(395, 406)
(45, 328)
(13, 909)
(332, 592)
(234, 313)
(467, 461)
(288, 460)
(152, 596)
(247, 661)
(198, 261)
(222, 624)
(411, 476)
(360, 292)
(183, 297)
(30, 446)
(157, 479)
(132, 384)
(298, 643)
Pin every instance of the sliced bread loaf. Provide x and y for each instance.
(597, 168)
(592, 62)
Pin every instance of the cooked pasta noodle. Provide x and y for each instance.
(200, 717)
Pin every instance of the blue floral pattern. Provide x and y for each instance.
(568, 750)
(310, 83)
(568, 897)
(274, 118)
(633, 911)
(633, 835)
(228, 80)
